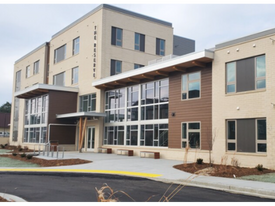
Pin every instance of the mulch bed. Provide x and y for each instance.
(222, 170)
(48, 163)
(3, 200)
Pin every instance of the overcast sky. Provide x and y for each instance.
(25, 27)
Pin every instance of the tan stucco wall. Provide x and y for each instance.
(252, 104)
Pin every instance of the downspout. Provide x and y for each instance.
(54, 124)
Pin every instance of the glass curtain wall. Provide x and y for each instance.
(138, 115)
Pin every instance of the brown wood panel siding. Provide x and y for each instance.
(199, 110)
(61, 103)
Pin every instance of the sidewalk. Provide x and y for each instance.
(156, 169)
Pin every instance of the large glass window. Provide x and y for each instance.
(154, 100)
(76, 46)
(87, 103)
(114, 135)
(115, 105)
(75, 75)
(36, 67)
(132, 135)
(60, 54)
(160, 47)
(154, 135)
(246, 135)
(190, 135)
(190, 85)
(139, 42)
(116, 36)
(36, 119)
(246, 74)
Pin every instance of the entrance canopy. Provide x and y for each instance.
(78, 115)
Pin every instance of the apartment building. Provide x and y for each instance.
(53, 96)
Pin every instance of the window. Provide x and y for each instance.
(28, 71)
(114, 135)
(154, 100)
(76, 46)
(132, 103)
(87, 103)
(139, 42)
(60, 54)
(190, 85)
(160, 47)
(231, 77)
(116, 36)
(154, 135)
(190, 135)
(59, 79)
(75, 75)
(136, 66)
(246, 135)
(36, 119)
(115, 105)
(132, 135)
(36, 67)
(246, 74)
(18, 81)
(115, 67)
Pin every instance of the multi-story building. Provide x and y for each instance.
(53, 96)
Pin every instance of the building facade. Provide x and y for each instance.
(53, 96)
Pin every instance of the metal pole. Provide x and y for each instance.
(57, 152)
(52, 149)
(63, 154)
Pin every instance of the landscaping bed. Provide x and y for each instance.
(3, 200)
(221, 170)
(48, 163)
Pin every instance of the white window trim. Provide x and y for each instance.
(187, 135)
(187, 86)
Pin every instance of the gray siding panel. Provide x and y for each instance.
(182, 46)
(246, 135)
(245, 75)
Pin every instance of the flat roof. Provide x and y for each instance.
(31, 52)
(162, 68)
(246, 38)
(107, 6)
(40, 89)
(80, 114)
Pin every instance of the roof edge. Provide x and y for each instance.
(31, 52)
(245, 38)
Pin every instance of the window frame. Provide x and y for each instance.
(115, 41)
(76, 46)
(137, 66)
(256, 137)
(232, 82)
(54, 79)
(28, 71)
(159, 50)
(139, 44)
(114, 63)
(90, 106)
(75, 71)
(36, 67)
(259, 78)
(55, 53)
(187, 86)
(231, 140)
(187, 134)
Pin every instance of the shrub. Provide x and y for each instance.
(23, 155)
(14, 154)
(2, 146)
(199, 161)
(259, 167)
(29, 156)
(235, 162)
(6, 145)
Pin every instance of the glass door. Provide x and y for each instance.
(91, 138)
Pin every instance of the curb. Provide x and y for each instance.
(12, 198)
(227, 188)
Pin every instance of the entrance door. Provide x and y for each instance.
(91, 138)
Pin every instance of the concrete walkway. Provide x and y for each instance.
(155, 169)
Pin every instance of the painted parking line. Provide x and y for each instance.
(140, 174)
